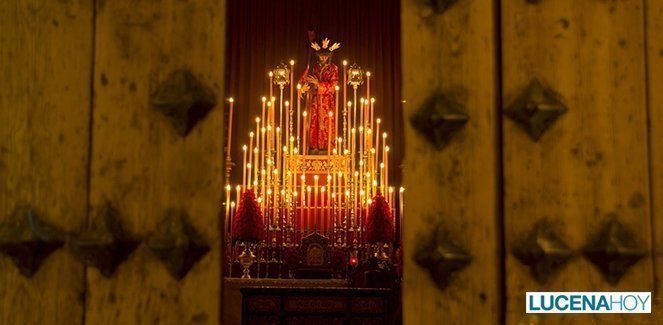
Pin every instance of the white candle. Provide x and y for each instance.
(244, 167)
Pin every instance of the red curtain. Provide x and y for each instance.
(262, 34)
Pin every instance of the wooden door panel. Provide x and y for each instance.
(45, 64)
(145, 164)
(654, 41)
(449, 63)
(591, 164)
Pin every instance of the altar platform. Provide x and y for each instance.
(303, 301)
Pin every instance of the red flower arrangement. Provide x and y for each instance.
(379, 223)
(248, 224)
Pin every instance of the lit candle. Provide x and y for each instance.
(238, 189)
(278, 146)
(287, 121)
(345, 80)
(230, 219)
(299, 124)
(302, 202)
(292, 78)
(368, 85)
(361, 126)
(304, 149)
(372, 112)
(336, 88)
(382, 184)
(315, 200)
(386, 165)
(352, 148)
(271, 88)
(323, 205)
(330, 116)
(377, 139)
(251, 135)
(230, 127)
(264, 101)
(400, 207)
(256, 154)
(308, 208)
(329, 192)
(227, 201)
(248, 168)
(245, 166)
(351, 126)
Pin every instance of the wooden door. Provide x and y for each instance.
(451, 170)
(111, 113)
(45, 99)
(557, 163)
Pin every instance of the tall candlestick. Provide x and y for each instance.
(323, 204)
(386, 165)
(368, 85)
(372, 110)
(345, 80)
(251, 136)
(230, 126)
(400, 211)
(238, 190)
(304, 148)
(315, 201)
(228, 201)
(299, 125)
(230, 219)
(271, 85)
(308, 208)
(256, 154)
(280, 107)
(361, 127)
(287, 121)
(350, 127)
(243, 167)
(302, 201)
(330, 116)
(292, 79)
(336, 89)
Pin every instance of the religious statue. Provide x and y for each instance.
(319, 83)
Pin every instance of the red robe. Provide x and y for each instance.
(321, 100)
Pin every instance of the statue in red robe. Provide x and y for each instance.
(319, 82)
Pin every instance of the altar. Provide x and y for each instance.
(315, 207)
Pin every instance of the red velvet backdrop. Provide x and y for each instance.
(263, 33)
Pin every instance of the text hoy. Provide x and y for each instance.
(588, 302)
